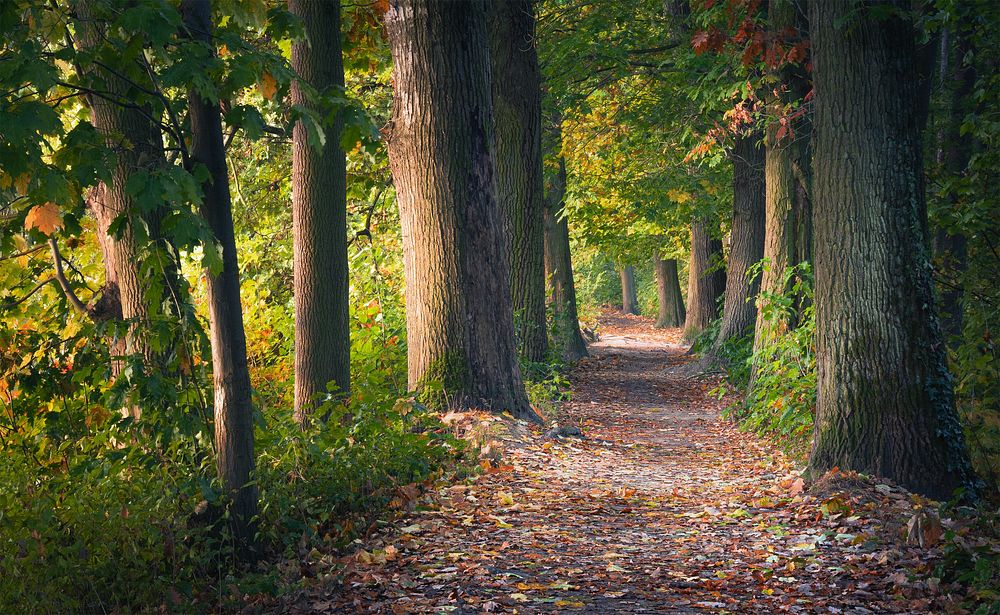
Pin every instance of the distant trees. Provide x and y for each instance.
(460, 326)
(319, 212)
(517, 118)
(630, 301)
(885, 401)
(706, 279)
(668, 290)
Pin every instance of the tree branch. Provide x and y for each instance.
(63, 282)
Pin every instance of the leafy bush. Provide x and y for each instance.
(95, 525)
(782, 396)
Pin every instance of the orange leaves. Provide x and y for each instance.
(268, 86)
(44, 218)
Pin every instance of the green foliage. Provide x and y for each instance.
(970, 558)
(781, 400)
(93, 524)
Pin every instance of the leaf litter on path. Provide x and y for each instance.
(664, 507)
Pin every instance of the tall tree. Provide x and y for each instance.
(234, 437)
(559, 267)
(706, 280)
(517, 121)
(460, 328)
(668, 288)
(630, 303)
(746, 243)
(319, 213)
(885, 402)
(132, 292)
(956, 80)
(787, 224)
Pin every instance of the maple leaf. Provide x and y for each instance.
(268, 85)
(45, 218)
(700, 42)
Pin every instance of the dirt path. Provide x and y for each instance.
(664, 507)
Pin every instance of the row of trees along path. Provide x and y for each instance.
(662, 506)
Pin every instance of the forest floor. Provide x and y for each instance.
(663, 506)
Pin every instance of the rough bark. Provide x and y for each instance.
(630, 304)
(234, 436)
(706, 280)
(517, 121)
(746, 241)
(319, 216)
(459, 314)
(668, 288)
(885, 402)
(559, 269)
(137, 144)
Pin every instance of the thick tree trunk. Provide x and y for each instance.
(517, 120)
(559, 269)
(706, 282)
(885, 402)
(630, 304)
(787, 217)
(668, 288)
(234, 437)
(746, 244)
(319, 216)
(459, 321)
(137, 143)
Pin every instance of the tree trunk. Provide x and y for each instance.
(746, 244)
(704, 286)
(786, 200)
(234, 437)
(668, 288)
(885, 403)
(630, 304)
(319, 216)
(958, 80)
(559, 269)
(459, 321)
(517, 121)
(137, 144)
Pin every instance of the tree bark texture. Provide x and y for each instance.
(885, 401)
(630, 303)
(706, 280)
(234, 436)
(459, 321)
(517, 121)
(319, 216)
(668, 288)
(559, 269)
(786, 199)
(137, 144)
(746, 240)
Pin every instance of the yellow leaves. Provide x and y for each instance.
(505, 498)
(45, 218)
(679, 196)
(268, 85)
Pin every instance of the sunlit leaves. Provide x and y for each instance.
(45, 218)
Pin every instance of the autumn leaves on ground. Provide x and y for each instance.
(663, 506)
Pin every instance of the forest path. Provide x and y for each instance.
(663, 507)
